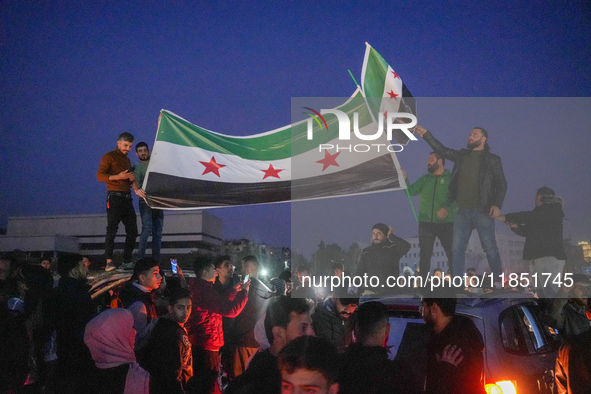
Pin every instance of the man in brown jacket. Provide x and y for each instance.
(115, 170)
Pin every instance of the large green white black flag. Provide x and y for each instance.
(192, 167)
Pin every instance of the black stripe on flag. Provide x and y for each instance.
(167, 191)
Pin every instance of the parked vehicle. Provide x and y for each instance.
(520, 351)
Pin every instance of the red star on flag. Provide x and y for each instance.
(395, 75)
(392, 94)
(329, 160)
(271, 172)
(212, 166)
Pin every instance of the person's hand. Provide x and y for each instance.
(182, 279)
(245, 286)
(494, 211)
(131, 176)
(390, 231)
(451, 354)
(403, 172)
(421, 130)
(121, 175)
(140, 192)
(442, 213)
(512, 225)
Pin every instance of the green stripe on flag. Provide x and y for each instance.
(280, 144)
(373, 84)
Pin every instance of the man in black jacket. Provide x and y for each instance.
(167, 353)
(542, 229)
(455, 363)
(382, 258)
(478, 186)
(331, 319)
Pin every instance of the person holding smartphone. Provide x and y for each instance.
(205, 323)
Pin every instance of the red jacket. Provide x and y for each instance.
(205, 323)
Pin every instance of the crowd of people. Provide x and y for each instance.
(210, 333)
(219, 333)
(234, 332)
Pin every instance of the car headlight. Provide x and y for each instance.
(501, 387)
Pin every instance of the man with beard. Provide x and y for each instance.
(115, 171)
(382, 258)
(436, 212)
(478, 186)
(454, 351)
(152, 219)
(331, 319)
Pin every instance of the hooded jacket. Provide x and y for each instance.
(542, 229)
(329, 325)
(491, 179)
(205, 323)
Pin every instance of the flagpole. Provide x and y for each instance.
(405, 190)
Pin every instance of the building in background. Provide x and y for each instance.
(272, 260)
(510, 247)
(185, 233)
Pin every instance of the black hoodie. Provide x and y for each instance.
(542, 229)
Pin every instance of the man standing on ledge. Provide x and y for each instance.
(436, 212)
(478, 186)
(115, 171)
(152, 219)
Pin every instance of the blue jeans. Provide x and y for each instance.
(468, 219)
(152, 222)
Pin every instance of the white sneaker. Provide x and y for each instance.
(110, 267)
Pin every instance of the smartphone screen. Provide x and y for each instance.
(173, 266)
(246, 278)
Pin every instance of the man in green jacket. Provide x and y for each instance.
(436, 212)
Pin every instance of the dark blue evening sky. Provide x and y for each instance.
(73, 75)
